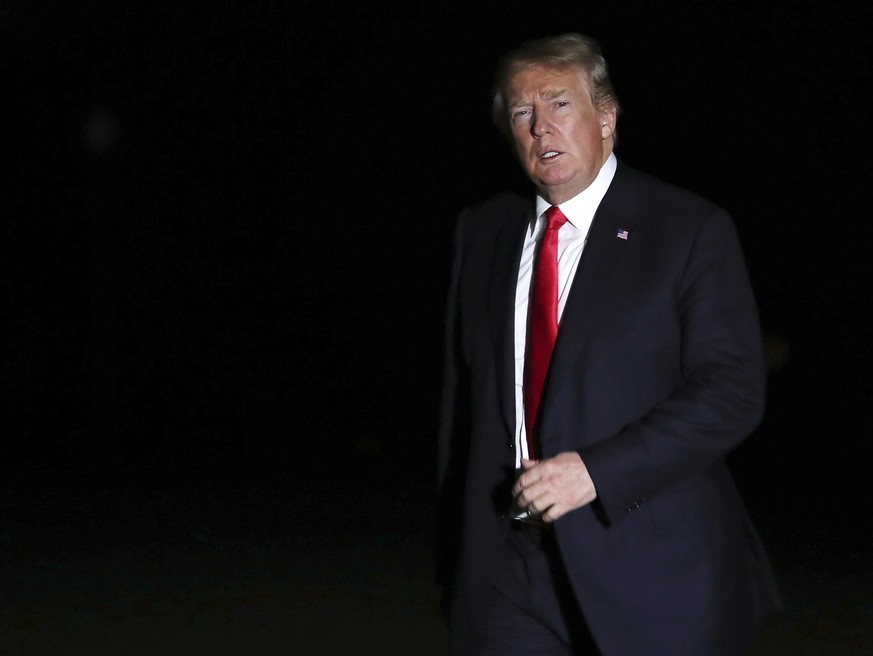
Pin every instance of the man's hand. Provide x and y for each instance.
(555, 486)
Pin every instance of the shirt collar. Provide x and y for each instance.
(580, 209)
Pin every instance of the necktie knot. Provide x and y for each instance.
(555, 218)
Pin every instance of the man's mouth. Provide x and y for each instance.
(549, 154)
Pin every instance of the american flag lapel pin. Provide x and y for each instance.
(622, 234)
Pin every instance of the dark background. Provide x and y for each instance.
(226, 225)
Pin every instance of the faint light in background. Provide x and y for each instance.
(101, 131)
(776, 351)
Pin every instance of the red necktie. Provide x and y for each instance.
(542, 324)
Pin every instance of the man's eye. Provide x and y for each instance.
(519, 114)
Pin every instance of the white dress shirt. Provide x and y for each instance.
(572, 237)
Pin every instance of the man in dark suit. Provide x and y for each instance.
(619, 530)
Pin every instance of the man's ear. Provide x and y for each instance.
(607, 121)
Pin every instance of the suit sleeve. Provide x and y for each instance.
(719, 396)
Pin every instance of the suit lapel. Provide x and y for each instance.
(610, 242)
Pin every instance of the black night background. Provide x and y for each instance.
(225, 250)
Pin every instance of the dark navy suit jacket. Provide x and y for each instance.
(658, 373)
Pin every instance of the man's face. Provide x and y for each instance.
(561, 139)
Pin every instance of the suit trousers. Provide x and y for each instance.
(532, 610)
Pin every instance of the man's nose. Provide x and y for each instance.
(540, 126)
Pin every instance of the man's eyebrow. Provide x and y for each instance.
(549, 94)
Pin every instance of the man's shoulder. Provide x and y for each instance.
(491, 215)
(630, 181)
(665, 209)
